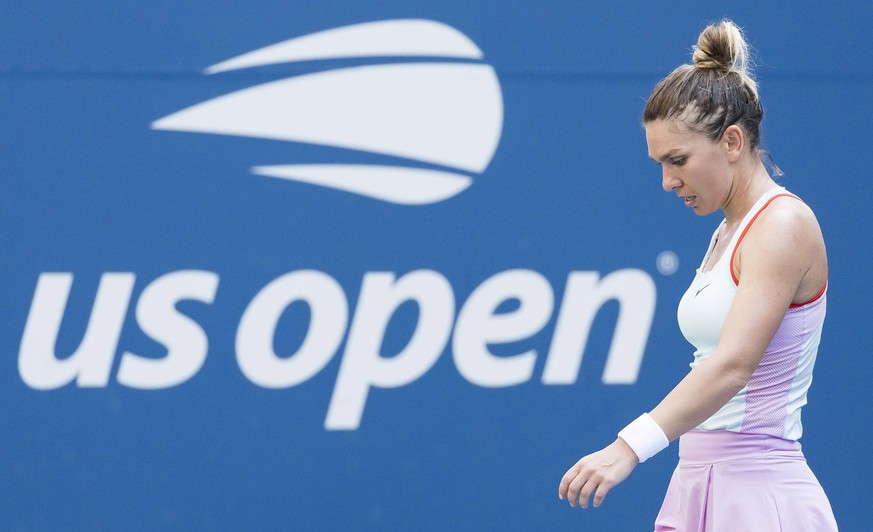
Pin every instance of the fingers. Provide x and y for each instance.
(596, 474)
(579, 484)
(572, 483)
(585, 493)
(592, 486)
(595, 485)
(580, 489)
(566, 479)
(602, 490)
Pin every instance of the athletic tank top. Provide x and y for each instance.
(771, 401)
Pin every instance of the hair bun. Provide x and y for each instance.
(705, 59)
(722, 46)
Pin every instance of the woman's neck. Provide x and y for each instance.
(751, 183)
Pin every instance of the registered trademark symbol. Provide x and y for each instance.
(667, 262)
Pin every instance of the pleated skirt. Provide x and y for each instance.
(731, 482)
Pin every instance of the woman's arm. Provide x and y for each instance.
(776, 255)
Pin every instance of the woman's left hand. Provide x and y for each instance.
(597, 473)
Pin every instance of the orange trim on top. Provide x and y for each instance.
(813, 300)
(743, 234)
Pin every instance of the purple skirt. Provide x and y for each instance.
(730, 482)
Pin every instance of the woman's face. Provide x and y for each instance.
(693, 166)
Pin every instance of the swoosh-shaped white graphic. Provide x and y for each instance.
(449, 114)
(413, 37)
(395, 184)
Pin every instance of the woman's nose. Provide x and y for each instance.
(669, 181)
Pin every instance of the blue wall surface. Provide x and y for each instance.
(354, 290)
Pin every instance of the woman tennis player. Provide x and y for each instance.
(754, 313)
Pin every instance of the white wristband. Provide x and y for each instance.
(645, 437)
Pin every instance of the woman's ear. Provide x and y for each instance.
(734, 141)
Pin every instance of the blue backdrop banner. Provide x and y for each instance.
(382, 265)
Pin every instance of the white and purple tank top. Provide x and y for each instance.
(771, 401)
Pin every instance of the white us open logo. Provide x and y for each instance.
(447, 114)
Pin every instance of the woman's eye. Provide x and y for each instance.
(679, 161)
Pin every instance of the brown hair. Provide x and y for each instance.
(715, 91)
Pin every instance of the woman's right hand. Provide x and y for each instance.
(597, 473)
